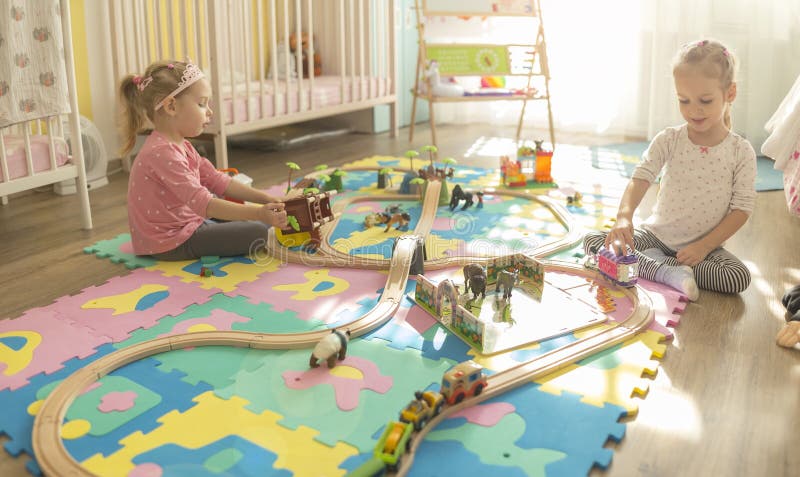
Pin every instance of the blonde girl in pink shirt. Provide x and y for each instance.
(174, 209)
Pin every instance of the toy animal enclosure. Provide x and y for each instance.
(521, 315)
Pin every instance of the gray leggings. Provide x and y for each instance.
(221, 239)
(720, 271)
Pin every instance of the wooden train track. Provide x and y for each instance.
(637, 321)
(55, 460)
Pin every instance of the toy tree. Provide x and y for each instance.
(449, 161)
(431, 150)
(418, 181)
(335, 181)
(292, 167)
(411, 154)
(292, 221)
(383, 175)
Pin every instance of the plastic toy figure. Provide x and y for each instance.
(507, 281)
(457, 195)
(480, 200)
(575, 199)
(330, 348)
(475, 280)
(402, 220)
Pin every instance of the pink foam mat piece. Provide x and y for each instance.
(61, 340)
(118, 323)
(362, 284)
(417, 318)
(668, 303)
(486, 415)
(624, 308)
(346, 389)
(119, 401)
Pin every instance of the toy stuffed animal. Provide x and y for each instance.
(304, 49)
(330, 348)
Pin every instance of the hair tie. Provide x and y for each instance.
(170, 66)
(725, 51)
(141, 83)
(702, 43)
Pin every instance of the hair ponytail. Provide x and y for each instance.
(132, 119)
(139, 95)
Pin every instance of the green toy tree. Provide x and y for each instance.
(292, 167)
(411, 154)
(418, 181)
(335, 181)
(431, 150)
(384, 175)
(449, 161)
(293, 223)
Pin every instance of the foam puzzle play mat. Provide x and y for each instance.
(434, 321)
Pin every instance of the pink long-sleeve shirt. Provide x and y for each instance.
(169, 189)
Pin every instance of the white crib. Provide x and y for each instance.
(35, 152)
(239, 43)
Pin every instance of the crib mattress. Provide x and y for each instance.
(40, 152)
(327, 92)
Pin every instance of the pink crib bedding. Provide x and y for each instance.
(40, 152)
(327, 92)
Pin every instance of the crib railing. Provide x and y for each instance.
(245, 46)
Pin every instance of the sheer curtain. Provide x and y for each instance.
(610, 62)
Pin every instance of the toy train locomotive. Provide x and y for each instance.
(463, 381)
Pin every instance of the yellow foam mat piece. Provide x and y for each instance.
(124, 302)
(606, 384)
(296, 450)
(236, 273)
(305, 291)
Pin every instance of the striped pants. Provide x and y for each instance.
(720, 271)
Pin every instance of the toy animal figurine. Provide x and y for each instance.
(402, 219)
(475, 280)
(457, 195)
(330, 348)
(507, 281)
(375, 218)
(575, 200)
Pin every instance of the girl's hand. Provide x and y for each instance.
(620, 238)
(273, 214)
(693, 253)
(789, 334)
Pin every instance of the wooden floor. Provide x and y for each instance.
(725, 402)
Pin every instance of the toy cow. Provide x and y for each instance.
(330, 348)
(475, 280)
(507, 281)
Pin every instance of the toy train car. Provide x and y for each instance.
(623, 270)
(462, 381)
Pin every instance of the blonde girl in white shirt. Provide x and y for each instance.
(707, 189)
